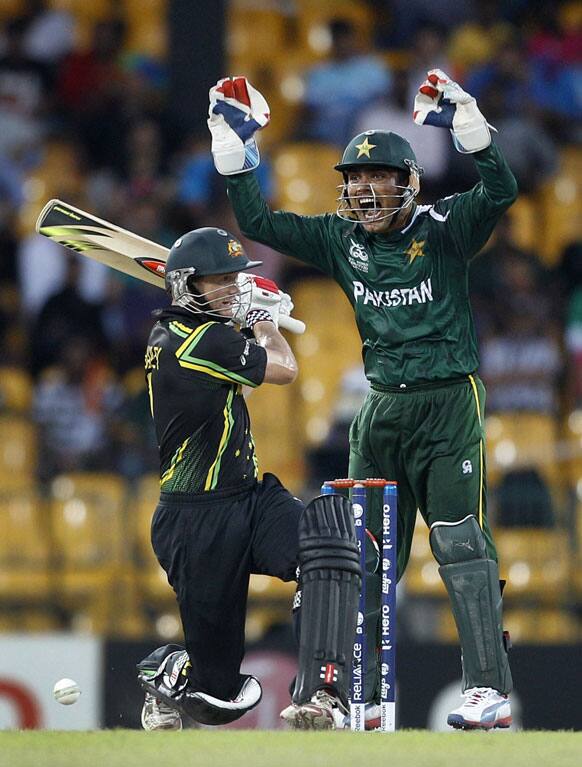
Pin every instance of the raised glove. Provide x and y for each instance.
(237, 111)
(441, 102)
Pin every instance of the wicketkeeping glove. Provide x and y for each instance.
(237, 111)
(443, 103)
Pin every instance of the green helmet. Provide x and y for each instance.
(378, 148)
(201, 253)
(208, 251)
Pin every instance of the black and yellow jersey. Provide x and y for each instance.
(195, 371)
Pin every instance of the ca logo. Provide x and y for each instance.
(467, 467)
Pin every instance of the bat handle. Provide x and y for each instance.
(290, 323)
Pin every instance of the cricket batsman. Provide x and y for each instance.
(217, 521)
(403, 267)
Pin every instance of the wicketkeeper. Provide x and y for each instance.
(403, 266)
(217, 521)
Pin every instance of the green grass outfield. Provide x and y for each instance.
(245, 748)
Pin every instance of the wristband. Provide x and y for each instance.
(257, 315)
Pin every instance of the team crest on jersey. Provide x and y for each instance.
(358, 257)
(415, 249)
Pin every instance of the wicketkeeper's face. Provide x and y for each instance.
(374, 195)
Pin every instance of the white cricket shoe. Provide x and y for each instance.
(484, 708)
(157, 715)
(318, 714)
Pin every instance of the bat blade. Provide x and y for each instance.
(104, 242)
(114, 246)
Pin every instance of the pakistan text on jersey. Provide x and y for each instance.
(419, 294)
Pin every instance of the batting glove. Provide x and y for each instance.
(441, 102)
(265, 295)
(237, 111)
(286, 306)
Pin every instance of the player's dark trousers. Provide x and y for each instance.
(431, 439)
(209, 545)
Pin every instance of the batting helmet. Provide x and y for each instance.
(201, 253)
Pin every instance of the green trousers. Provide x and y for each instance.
(431, 440)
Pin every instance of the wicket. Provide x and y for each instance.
(359, 500)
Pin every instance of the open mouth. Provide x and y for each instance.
(369, 208)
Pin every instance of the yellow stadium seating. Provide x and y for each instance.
(536, 564)
(147, 27)
(15, 389)
(305, 178)
(524, 214)
(329, 347)
(28, 621)
(313, 18)
(25, 546)
(10, 9)
(88, 521)
(519, 440)
(422, 578)
(255, 35)
(153, 586)
(525, 626)
(18, 449)
(572, 433)
(561, 202)
(273, 411)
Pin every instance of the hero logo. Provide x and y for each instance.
(358, 257)
(419, 294)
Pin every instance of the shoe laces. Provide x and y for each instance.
(475, 695)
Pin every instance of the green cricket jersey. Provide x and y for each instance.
(409, 288)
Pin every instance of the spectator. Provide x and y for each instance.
(49, 32)
(523, 499)
(330, 458)
(91, 96)
(556, 63)
(74, 404)
(65, 315)
(23, 85)
(530, 151)
(486, 275)
(522, 359)
(428, 51)
(479, 40)
(338, 89)
(42, 268)
(570, 275)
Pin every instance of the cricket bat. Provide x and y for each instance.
(114, 246)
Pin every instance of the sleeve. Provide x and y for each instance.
(223, 355)
(306, 238)
(472, 216)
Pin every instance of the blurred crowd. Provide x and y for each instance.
(91, 124)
